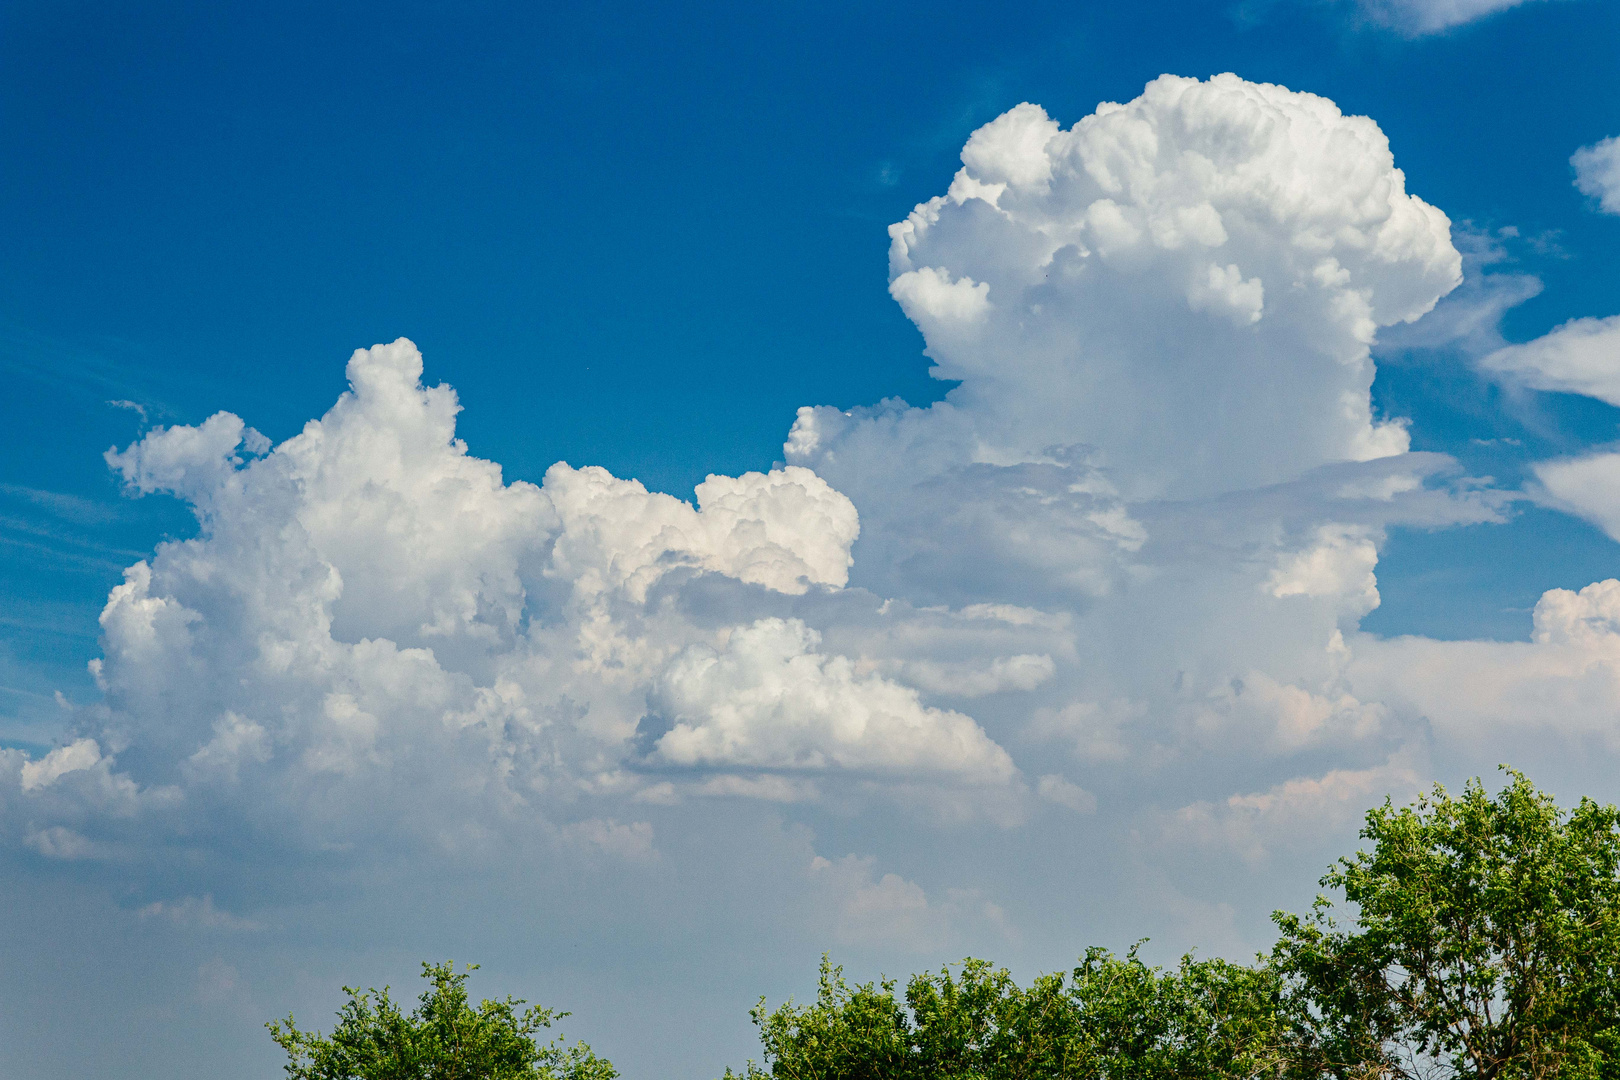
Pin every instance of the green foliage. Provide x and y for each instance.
(1112, 1017)
(1477, 939)
(444, 1038)
(1485, 942)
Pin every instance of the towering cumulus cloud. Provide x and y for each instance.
(1188, 284)
(1161, 320)
(1115, 577)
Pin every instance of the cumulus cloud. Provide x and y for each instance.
(1247, 238)
(1180, 297)
(786, 530)
(81, 754)
(1162, 434)
(1468, 320)
(771, 700)
(1597, 173)
(372, 631)
(1256, 825)
(1534, 703)
(1339, 563)
(930, 295)
(1141, 532)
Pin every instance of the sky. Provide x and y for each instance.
(639, 497)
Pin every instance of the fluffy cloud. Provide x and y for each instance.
(1580, 357)
(771, 700)
(786, 530)
(1597, 173)
(1529, 702)
(78, 755)
(1246, 238)
(1339, 563)
(1256, 825)
(1162, 433)
(373, 631)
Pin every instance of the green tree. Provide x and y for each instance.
(1478, 938)
(444, 1038)
(1112, 1017)
(1481, 941)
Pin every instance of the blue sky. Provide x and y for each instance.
(643, 238)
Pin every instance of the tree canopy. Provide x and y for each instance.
(444, 1038)
(1479, 937)
(1476, 938)
(1113, 1016)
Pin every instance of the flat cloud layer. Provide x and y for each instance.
(1102, 600)
(1580, 357)
(1415, 18)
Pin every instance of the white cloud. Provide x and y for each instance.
(1533, 703)
(1588, 487)
(1582, 356)
(1223, 289)
(786, 530)
(1011, 149)
(930, 295)
(770, 700)
(1469, 318)
(1597, 173)
(1262, 224)
(891, 913)
(1339, 565)
(1140, 529)
(1025, 671)
(192, 911)
(1588, 618)
(80, 754)
(1163, 433)
(1416, 18)
(374, 634)
(1256, 825)
(1056, 789)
